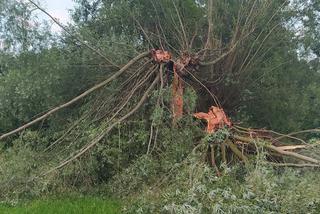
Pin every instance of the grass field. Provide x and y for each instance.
(65, 206)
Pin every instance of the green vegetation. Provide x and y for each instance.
(259, 190)
(64, 206)
(259, 60)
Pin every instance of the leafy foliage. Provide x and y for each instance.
(195, 189)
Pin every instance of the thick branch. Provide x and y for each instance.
(114, 76)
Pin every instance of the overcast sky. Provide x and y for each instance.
(58, 9)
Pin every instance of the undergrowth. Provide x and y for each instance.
(163, 173)
(194, 188)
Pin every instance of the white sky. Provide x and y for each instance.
(58, 9)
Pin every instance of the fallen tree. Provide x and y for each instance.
(214, 59)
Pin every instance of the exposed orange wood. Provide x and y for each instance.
(216, 118)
